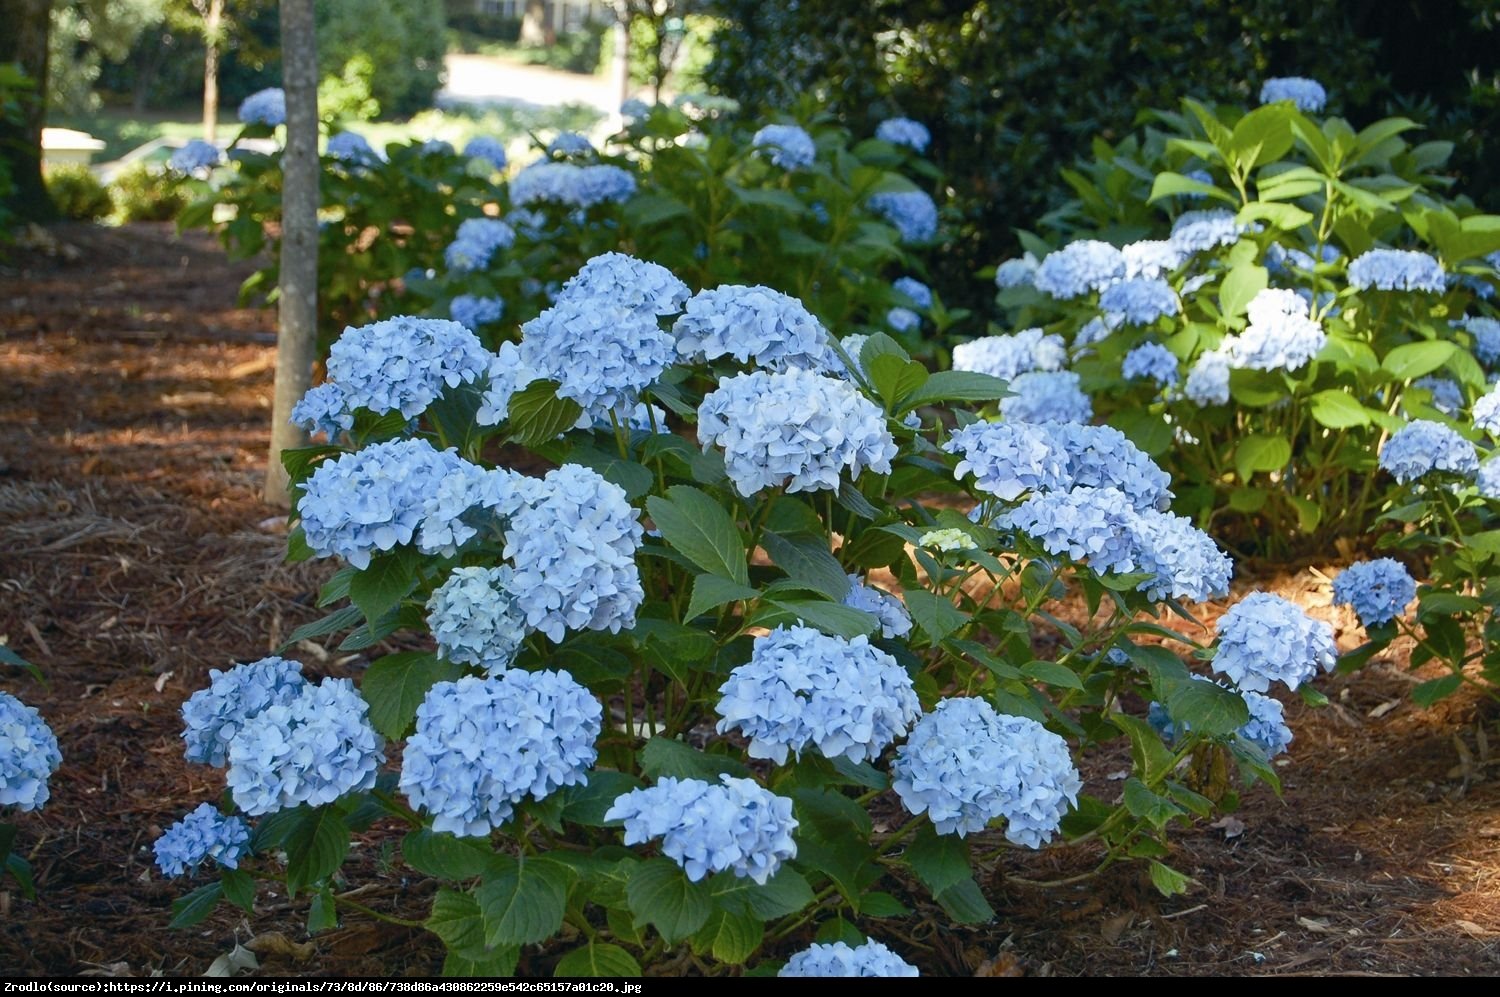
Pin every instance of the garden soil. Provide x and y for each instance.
(136, 554)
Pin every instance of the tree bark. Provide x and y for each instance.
(23, 39)
(212, 25)
(297, 337)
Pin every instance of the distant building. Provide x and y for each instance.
(543, 20)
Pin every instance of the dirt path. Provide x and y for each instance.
(135, 555)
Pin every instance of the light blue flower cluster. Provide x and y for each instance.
(436, 147)
(1308, 95)
(793, 428)
(570, 185)
(490, 150)
(754, 323)
(902, 319)
(1151, 259)
(1199, 231)
(1486, 334)
(1007, 356)
(912, 213)
(838, 959)
(601, 354)
(28, 755)
(1422, 447)
(1265, 638)
(1092, 524)
(1079, 267)
(634, 107)
(1095, 330)
(788, 146)
(570, 145)
(630, 283)
(1047, 396)
(1379, 590)
(481, 746)
(1153, 361)
(707, 828)
(197, 156)
(1288, 260)
(1139, 300)
(895, 621)
(472, 311)
(476, 242)
(1280, 334)
(1183, 561)
(311, 750)
(324, 409)
(468, 499)
(264, 107)
(904, 131)
(919, 293)
(476, 619)
(1488, 479)
(573, 548)
(965, 765)
(1208, 380)
(1447, 395)
(803, 689)
(403, 364)
(1486, 411)
(1019, 272)
(352, 149)
(203, 834)
(1009, 459)
(1397, 270)
(507, 374)
(1266, 728)
(213, 716)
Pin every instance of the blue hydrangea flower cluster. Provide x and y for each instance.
(476, 242)
(1183, 561)
(313, 749)
(324, 409)
(1007, 356)
(570, 145)
(1095, 330)
(28, 755)
(1139, 300)
(1486, 411)
(1093, 524)
(1199, 231)
(570, 185)
(1047, 396)
(803, 689)
(707, 828)
(352, 150)
(472, 311)
(1266, 728)
(917, 292)
(264, 107)
(754, 323)
(1379, 590)
(912, 213)
(1265, 638)
(965, 765)
(467, 499)
(1308, 95)
(476, 619)
(788, 146)
(1151, 259)
(1422, 446)
(1447, 395)
(481, 746)
(1486, 334)
(630, 283)
(203, 834)
(1009, 459)
(1079, 267)
(1153, 361)
(793, 428)
(904, 131)
(1397, 270)
(902, 319)
(1280, 334)
(195, 157)
(634, 108)
(507, 374)
(1208, 380)
(213, 716)
(838, 959)
(490, 150)
(895, 621)
(573, 548)
(403, 364)
(1488, 479)
(1019, 272)
(601, 354)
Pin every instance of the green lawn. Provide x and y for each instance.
(122, 130)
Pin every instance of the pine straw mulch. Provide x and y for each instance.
(135, 554)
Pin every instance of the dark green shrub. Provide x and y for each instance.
(143, 194)
(78, 194)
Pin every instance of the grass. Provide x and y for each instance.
(123, 130)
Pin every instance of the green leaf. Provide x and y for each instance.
(882, 905)
(1263, 135)
(522, 900)
(322, 913)
(193, 908)
(1168, 881)
(1427, 693)
(1171, 184)
(663, 756)
(598, 959)
(344, 619)
(880, 345)
(239, 888)
(808, 560)
(1146, 429)
(650, 210)
(701, 530)
(455, 918)
(894, 378)
(18, 867)
(384, 583)
(588, 803)
(829, 617)
(1240, 285)
(1053, 674)
(940, 861)
(660, 894)
(1411, 360)
(445, 856)
(730, 937)
(713, 591)
(1335, 409)
(1151, 757)
(1287, 217)
(483, 963)
(316, 847)
(395, 686)
(965, 903)
(1143, 803)
(1207, 708)
(538, 416)
(956, 386)
(785, 893)
(1259, 452)
(934, 614)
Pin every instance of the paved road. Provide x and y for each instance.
(479, 79)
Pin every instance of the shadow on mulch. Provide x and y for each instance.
(135, 554)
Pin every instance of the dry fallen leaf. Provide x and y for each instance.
(1004, 964)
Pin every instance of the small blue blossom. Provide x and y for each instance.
(1151, 259)
(912, 213)
(476, 619)
(476, 242)
(838, 959)
(1198, 231)
(469, 499)
(622, 280)
(472, 311)
(1078, 268)
(895, 621)
(604, 184)
(904, 131)
(324, 409)
(1397, 270)
(197, 156)
(1280, 334)
(1009, 459)
(264, 107)
(1020, 272)
(965, 765)
(481, 746)
(1153, 361)
(507, 374)
(602, 354)
(789, 146)
(570, 185)
(1488, 479)
(1139, 300)
(802, 689)
(213, 716)
(707, 828)
(902, 319)
(1096, 330)
(1447, 395)
(1486, 334)
(1208, 380)
(917, 292)
(793, 428)
(634, 108)
(1421, 447)
(1047, 396)
(570, 145)
(1183, 561)
(1085, 524)
(772, 329)
(1486, 411)
(203, 834)
(28, 755)
(490, 150)
(403, 364)
(312, 750)
(1265, 638)
(352, 150)
(1008, 356)
(1288, 261)
(1266, 728)
(1379, 590)
(1308, 95)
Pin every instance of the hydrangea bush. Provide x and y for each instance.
(29, 755)
(651, 699)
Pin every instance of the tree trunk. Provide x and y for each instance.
(211, 32)
(23, 40)
(620, 70)
(536, 24)
(296, 340)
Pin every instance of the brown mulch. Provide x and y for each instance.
(135, 554)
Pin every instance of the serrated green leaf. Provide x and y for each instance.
(1240, 285)
(712, 591)
(455, 918)
(1168, 881)
(894, 378)
(1169, 184)
(536, 415)
(598, 959)
(1143, 803)
(955, 386)
(1259, 452)
(663, 756)
(522, 900)
(445, 856)
(940, 861)
(197, 905)
(388, 579)
(934, 614)
(1429, 692)
(829, 617)
(239, 888)
(730, 937)
(1053, 674)
(965, 903)
(785, 893)
(19, 868)
(482, 963)
(1335, 409)
(882, 905)
(316, 847)
(660, 894)
(1412, 360)
(808, 560)
(1207, 708)
(322, 913)
(335, 622)
(395, 686)
(1152, 759)
(701, 530)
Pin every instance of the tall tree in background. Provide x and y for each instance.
(212, 12)
(297, 336)
(23, 40)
